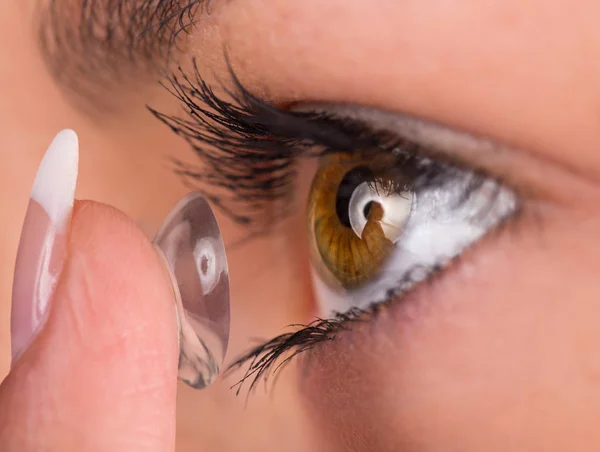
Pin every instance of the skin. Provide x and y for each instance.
(101, 351)
(497, 353)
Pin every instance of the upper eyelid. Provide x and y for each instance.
(526, 172)
(436, 137)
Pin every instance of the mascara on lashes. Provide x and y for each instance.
(249, 148)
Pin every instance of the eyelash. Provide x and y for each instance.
(249, 149)
(270, 357)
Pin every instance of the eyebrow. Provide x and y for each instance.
(94, 46)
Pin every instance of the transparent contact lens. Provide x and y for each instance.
(190, 242)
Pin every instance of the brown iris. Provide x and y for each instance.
(349, 257)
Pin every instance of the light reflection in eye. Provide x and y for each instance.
(396, 209)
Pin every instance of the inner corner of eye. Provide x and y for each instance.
(370, 227)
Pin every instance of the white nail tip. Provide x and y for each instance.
(54, 185)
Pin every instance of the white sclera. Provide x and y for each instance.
(190, 242)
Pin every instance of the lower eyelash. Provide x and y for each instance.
(271, 357)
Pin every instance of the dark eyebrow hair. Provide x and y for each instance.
(91, 47)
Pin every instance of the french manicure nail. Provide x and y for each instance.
(43, 246)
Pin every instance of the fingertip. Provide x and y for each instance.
(108, 353)
(115, 285)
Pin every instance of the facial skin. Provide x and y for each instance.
(497, 353)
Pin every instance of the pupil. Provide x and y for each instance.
(351, 180)
(367, 209)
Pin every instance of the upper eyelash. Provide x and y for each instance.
(249, 147)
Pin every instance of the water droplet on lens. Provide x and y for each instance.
(190, 243)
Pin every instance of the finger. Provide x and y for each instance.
(101, 373)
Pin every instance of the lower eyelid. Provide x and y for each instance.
(429, 298)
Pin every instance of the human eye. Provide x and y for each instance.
(388, 206)
(387, 215)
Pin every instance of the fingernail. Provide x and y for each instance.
(43, 246)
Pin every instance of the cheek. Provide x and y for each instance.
(499, 354)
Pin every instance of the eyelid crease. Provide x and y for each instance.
(427, 133)
(525, 172)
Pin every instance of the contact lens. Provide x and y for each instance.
(189, 241)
